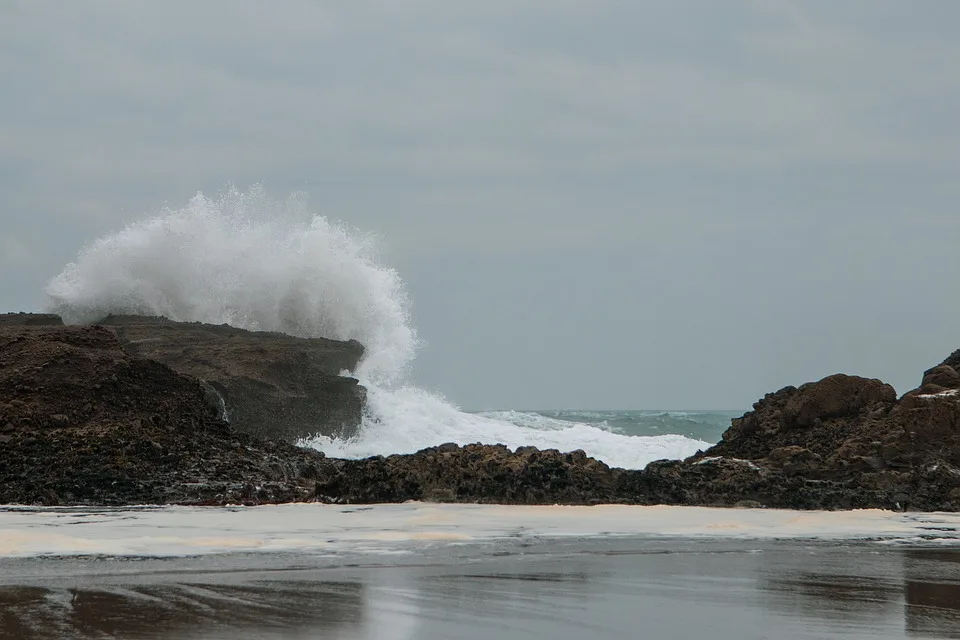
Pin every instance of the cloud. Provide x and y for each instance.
(13, 252)
(159, 100)
(505, 132)
(435, 93)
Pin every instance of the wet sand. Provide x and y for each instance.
(519, 584)
(572, 589)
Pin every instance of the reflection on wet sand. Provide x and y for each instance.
(933, 609)
(181, 610)
(674, 590)
(854, 601)
(921, 587)
(932, 593)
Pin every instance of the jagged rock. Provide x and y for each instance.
(82, 421)
(805, 417)
(953, 360)
(85, 423)
(835, 396)
(267, 384)
(943, 376)
(843, 442)
(474, 473)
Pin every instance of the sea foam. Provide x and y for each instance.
(334, 529)
(258, 263)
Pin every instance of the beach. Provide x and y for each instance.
(471, 571)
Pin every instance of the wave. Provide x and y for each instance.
(245, 259)
(406, 419)
(703, 425)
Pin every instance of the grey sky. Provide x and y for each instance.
(681, 203)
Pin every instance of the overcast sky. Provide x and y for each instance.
(595, 203)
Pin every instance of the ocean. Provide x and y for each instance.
(431, 571)
(703, 426)
(627, 439)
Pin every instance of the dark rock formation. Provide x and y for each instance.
(812, 416)
(270, 385)
(82, 422)
(840, 443)
(92, 415)
(474, 473)
(943, 377)
(29, 319)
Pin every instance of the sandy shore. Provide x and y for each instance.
(462, 571)
(319, 528)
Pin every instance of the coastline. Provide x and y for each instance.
(86, 418)
(385, 529)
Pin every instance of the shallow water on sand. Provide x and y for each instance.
(397, 571)
(617, 588)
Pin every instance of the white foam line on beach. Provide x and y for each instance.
(317, 528)
(942, 394)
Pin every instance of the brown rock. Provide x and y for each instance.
(835, 396)
(943, 376)
(793, 452)
(145, 433)
(153, 438)
(475, 473)
(267, 384)
(811, 417)
(59, 420)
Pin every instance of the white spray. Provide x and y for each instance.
(261, 264)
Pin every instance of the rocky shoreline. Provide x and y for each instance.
(134, 411)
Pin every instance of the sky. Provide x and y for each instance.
(594, 203)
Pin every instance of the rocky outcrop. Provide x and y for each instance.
(29, 319)
(843, 442)
(270, 385)
(92, 415)
(815, 416)
(83, 422)
(474, 473)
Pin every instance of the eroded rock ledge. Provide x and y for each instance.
(270, 385)
(91, 415)
(83, 422)
(267, 384)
